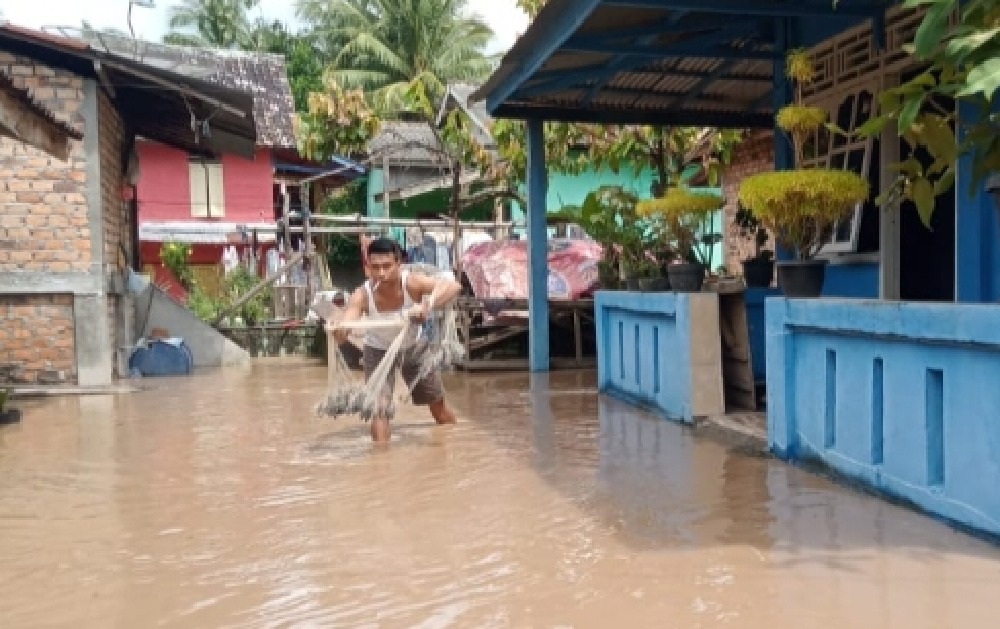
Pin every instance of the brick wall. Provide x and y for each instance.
(44, 228)
(36, 337)
(753, 155)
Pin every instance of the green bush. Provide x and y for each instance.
(175, 257)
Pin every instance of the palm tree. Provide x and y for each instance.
(386, 46)
(213, 24)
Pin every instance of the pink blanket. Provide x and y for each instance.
(499, 269)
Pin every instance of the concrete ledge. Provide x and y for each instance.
(900, 398)
(43, 282)
(661, 351)
(62, 390)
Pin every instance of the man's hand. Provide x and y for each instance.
(340, 335)
(356, 306)
(418, 313)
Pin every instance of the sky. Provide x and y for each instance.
(503, 16)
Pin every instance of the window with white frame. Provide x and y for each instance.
(848, 110)
(207, 194)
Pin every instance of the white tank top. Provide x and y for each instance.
(383, 338)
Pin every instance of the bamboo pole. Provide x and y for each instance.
(358, 219)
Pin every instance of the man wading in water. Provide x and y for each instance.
(389, 291)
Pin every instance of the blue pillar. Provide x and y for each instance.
(784, 157)
(975, 229)
(538, 262)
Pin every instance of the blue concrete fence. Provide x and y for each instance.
(661, 351)
(903, 397)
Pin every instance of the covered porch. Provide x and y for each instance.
(860, 380)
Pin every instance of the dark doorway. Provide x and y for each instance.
(927, 256)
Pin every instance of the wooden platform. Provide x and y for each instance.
(481, 341)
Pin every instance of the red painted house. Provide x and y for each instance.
(211, 200)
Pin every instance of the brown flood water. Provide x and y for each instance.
(221, 501)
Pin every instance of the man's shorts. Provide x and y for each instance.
(427, 391)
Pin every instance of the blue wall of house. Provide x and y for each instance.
(755, 300)
(642, 354)
(660, 351)
(899, 396)
(977, 263)
(852, 280)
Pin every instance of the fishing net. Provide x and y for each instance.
(441, 348)
(346, 395)
(433, 345)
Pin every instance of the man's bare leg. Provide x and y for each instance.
(442, 412)
(380, 430)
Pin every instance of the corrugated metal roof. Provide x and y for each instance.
(665, 61)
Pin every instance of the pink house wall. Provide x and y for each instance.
(164, 192)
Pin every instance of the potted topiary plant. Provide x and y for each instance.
(608, 216)
(758, 270)
(801, 206)
(651, 278)
(685, 216)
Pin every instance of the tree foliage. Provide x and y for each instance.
(304, 59)
(675, 154)
(337, 121)
(384, 46)
(963, 64)
(531, 7)
(212, 23)
(564, 151)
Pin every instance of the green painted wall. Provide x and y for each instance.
(376, 180)
(563, 190)
(573, 189)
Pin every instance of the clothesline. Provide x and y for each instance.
(358, 219)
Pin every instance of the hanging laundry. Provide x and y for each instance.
(273, 261)
(230, 259)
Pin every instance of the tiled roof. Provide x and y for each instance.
(261, 74)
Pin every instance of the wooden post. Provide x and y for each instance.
(307, 247)
(577, 336)
(286, 203)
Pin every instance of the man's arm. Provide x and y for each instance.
(440, 289)
(357, 305)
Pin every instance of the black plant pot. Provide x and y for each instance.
(654, 284)
(802, 278)
(687, 277)
(10, 416)
(758, 273)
